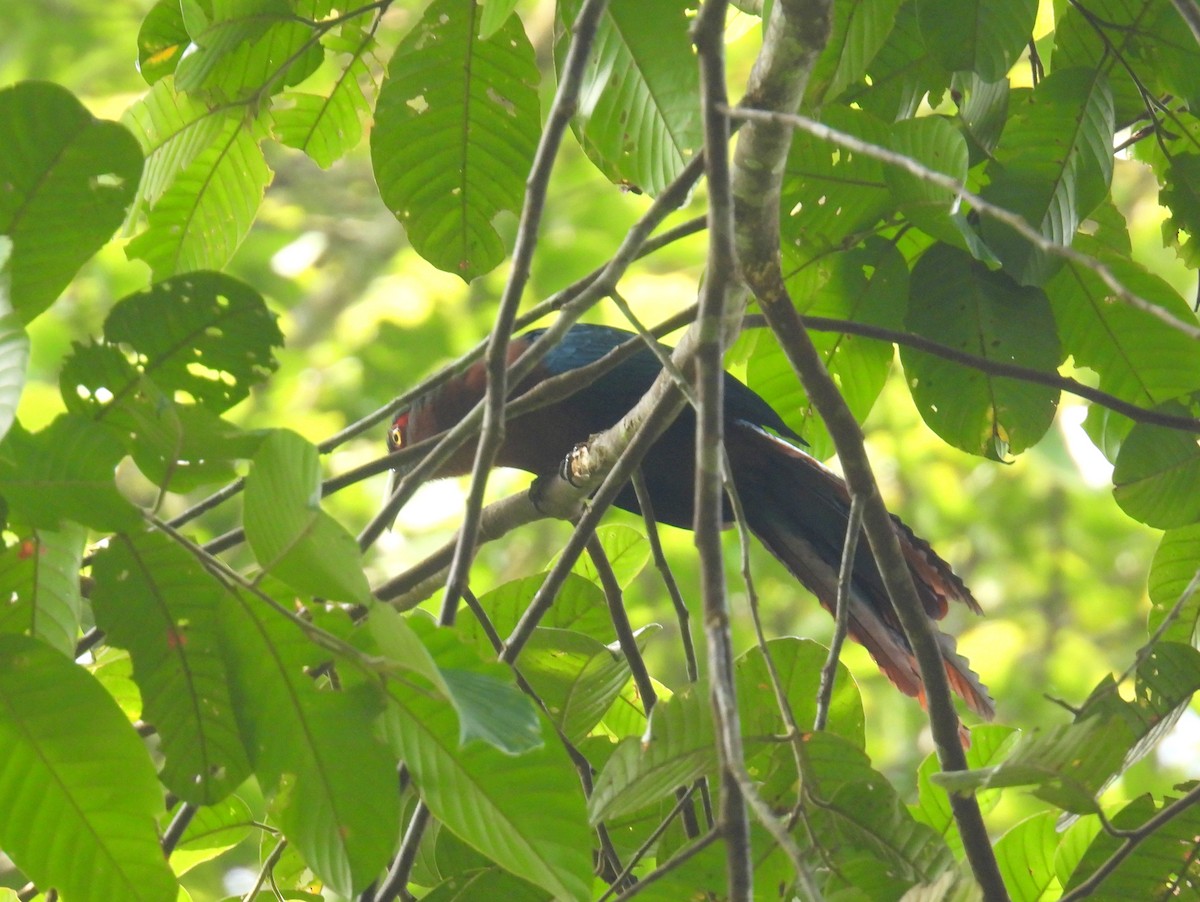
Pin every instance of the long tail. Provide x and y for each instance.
(799, 509)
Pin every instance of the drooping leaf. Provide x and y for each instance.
(326, 126)
(205, 179)
(489, 705)
(1175, 564)
(524, 812)
(291, 536)
(65, 472)
(333, 783)
(39, 575)
(984, 36)
(455, 131)
(1052, 167)
(1156, 479)
(69, 179)
(77, 784)
(638, 119)
(153, 598)
(956, 301)
(640, 772)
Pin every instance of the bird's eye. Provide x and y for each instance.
(397, 437)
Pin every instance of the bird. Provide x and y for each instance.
(794, 505)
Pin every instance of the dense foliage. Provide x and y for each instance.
(218, 268)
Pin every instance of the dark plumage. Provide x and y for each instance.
(795, 506)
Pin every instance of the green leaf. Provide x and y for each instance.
(1157, 477)
(990, 744)
(1052, 167)
(1025, 855)
(205, 334)
(860, 824)
(901, 75)
(153, 598)
(1160, 866)
(39, 575)
(77, 784)
(575, 676)
(640, 772)
(327, 126)
(69, 179)
(65, 472)
(628, 552)
(982, 112)
(161, 40)
(524, 812)
(1175, 564)
(239, 45)
(958, 302)
(1138, 357)
(579, 606)
(1066, 765)
(829, 193)
(456, 127)
(860, 28)
(334, 784)
(490, 707)
(867, 284)
(14, 347)
(291, 536)
(1181, 195)
(495, 14)
(205, 179)
(638, 118)
(984, 36)
(938, 145)
(214, 830)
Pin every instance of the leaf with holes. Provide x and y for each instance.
(77, 783)
(154, 599)
(456, 127)
(638, 118)
(69, 179)
(206, 335)
(956, 301)
(39, 575)
(291, 536)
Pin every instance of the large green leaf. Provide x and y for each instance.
(456, 127)
(76, 785)
(205, 178)
(1052, 166)
(153, 598)
(579, 606)
(39, 575)
(334, 784)
(1175, 564)
(638, 118)
(627, 550)
(860, 28)
(901, 74)
(984, 36)
(1156, 479)
(69, 179)
(867, 284)
(213, 830)
(65, 472)
(641, 771)
(1025, 854)
(524, 812)
(291, 536)
(14, 345)
(958, 302)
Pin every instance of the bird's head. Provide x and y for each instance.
(398, 435)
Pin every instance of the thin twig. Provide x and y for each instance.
(267, 866)
(395, 884)
(626, 638)
(841, 613)
(175, 829)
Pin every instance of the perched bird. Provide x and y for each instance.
(795, 506)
